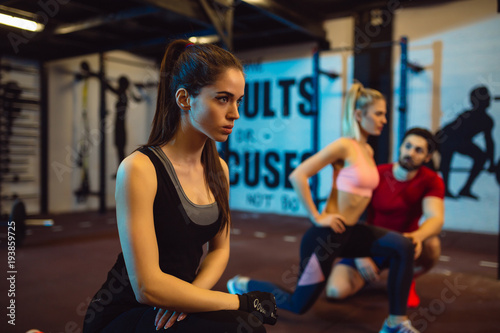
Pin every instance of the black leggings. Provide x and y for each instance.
(141, 320)
(318, 250)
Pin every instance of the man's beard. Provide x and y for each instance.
(407, 164)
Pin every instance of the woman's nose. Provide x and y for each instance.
(234, 113)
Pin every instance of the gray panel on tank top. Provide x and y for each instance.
(199, 214)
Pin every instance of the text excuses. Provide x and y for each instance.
(271, 167)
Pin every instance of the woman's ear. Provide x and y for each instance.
(182, 99)
(358, 114)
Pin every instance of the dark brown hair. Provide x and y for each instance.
(432, 144)
(192, 67)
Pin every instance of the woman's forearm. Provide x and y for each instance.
(212, 268)
(301, 186)
(169, 292)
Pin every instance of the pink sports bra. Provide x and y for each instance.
(360, 178)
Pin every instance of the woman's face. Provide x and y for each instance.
(373, 121)
(215, 109)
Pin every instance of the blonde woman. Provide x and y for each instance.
(335, 231)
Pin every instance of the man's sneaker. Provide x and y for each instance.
(413, 299)
(403, 327)
(234, 285)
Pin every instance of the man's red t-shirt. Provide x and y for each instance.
(397, 205)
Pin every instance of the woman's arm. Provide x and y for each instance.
(299, 178)
(215, 262)
(135, 193)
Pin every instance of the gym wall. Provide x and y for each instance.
(275, 130)
(458, 53)
(67, 125)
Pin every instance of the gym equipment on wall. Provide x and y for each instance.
(84, 191)
(83, 143)
(316, 72)
(405, 66)
(19, 135)
(15, 196)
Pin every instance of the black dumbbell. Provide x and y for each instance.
(18, 222)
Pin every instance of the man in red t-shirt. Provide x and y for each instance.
(407, 191)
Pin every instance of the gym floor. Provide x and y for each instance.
(59, 268)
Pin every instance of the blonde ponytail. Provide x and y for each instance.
(350, 127)
(357, 98)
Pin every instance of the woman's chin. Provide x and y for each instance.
(221, 138)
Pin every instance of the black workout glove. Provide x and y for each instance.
(260, 304)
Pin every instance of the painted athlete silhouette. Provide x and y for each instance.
(457, 137)
(121, 110)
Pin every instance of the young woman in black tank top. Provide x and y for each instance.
(171, 200)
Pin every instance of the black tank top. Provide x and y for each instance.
(182, 228)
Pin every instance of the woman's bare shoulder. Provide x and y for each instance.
(339, 146)
(136, 163)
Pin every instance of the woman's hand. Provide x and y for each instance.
(166, 318)
(334, 221)
(261, 304)
(367, 269)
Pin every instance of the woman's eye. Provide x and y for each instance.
(223, 99)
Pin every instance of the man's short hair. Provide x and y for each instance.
(432, 144)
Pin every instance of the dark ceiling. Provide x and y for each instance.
(144, 27)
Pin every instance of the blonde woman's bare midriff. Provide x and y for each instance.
(350, 206)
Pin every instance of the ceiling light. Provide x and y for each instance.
(209, 39)
(18, 22)
(258, 2)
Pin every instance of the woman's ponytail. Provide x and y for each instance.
(358, 98)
